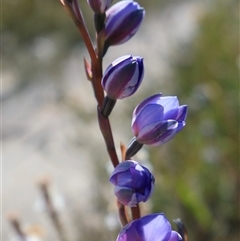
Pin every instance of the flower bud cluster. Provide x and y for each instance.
(155, 121)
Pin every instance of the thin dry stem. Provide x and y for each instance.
(13, 218)
(52, 212)
(123, 151)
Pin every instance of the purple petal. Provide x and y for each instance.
(147, 192)
(181, 124)
(167, 138)
(169, 103)
(123, 166)
(126, 196)
(120, 169)
(156, 133)
(175, 236)
(158, 229)
(138, 178)
(182, 113)
(153, 227)
(149, 114)
(117, 7)
(134, 234)
(120, 81)
(122, 180)
(115, 66)
(178, 114)
(122, 21)
(142, 183)
(171, 114)
(143, 104)
(131, 86)
(133, 183)
(123, 77)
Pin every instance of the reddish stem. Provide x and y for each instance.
(97, 77)
(74, 11)
(105, 128)
(122, 213)
(123, 151)
(136, 212)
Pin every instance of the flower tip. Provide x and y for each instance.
(123, 20)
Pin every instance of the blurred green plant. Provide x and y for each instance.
(199, 170)
(34, 18)
(23, 21)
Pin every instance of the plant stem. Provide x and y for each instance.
(122, 213)
(74, 11)
(105, 128)
(136, 212)
(97, 77)
(14, 221)
(96, 61)
(43, 185)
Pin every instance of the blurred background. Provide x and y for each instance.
(49, 127)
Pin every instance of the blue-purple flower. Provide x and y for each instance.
(133, 183)
(158, 119)
(99, 6)
(123, 77)
(153, 227)
(123, 20)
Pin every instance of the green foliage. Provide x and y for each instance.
(201, 165)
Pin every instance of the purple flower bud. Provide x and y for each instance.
(123, 77)
(152, 227)
(123, 20)
(99, 6)
(158, 119)
(133, 183)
